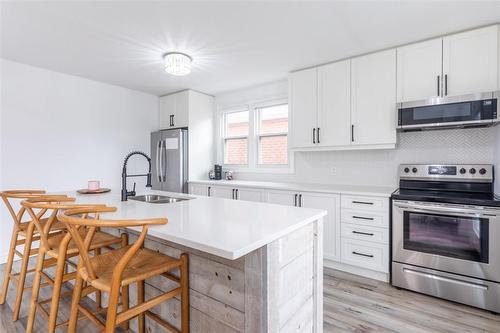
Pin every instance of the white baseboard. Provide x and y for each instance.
(384, 277)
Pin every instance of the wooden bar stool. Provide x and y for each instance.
(23, 233)
(59, 249)
(112, 271)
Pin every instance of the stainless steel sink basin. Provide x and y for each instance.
(155, 198)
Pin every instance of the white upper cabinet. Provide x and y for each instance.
(303, 107)
(459, 64)
(174, 110)
(334, 104)
(419, 70)
(470, 62)
(373, 99)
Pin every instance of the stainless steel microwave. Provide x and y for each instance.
(476, 110)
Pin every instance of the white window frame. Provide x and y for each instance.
(253, 139)
(224, 137)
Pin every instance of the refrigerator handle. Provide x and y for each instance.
(158, 160)
(164, 167)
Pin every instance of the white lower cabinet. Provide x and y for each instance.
(355, 229)
(366, 255)
(199, 189)
(249, 194)
(287, 198)
(331, 222)
(365, 232)
(227, 192)
(221, 192)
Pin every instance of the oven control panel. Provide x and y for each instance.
(457, 172)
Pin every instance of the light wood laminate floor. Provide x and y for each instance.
(351, 304)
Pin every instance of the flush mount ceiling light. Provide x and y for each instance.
(177, 63)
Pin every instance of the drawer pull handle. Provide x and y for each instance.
(362, 202)
(362, 218)
(362, 254)
(362, 233)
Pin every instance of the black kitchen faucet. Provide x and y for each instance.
(125, 193)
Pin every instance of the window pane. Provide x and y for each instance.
(274, 119)
(273, 150)
(236, 151)
(237, 123)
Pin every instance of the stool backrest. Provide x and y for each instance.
(9, 196)
(41, 206)
(81, 218)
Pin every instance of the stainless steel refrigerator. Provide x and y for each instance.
(169, 160)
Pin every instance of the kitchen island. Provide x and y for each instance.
(254, 267)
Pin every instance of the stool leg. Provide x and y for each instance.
(8, 267)
(125, 304)
(75, 301)
(35, 290)
(98, 294)
(56, 291)
(112, 309)
(22, 273)
(184, 294)
(141, 319)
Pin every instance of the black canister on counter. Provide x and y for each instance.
(218, 171)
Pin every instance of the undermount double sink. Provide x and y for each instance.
(157, 199)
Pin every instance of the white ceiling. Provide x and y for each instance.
(233, 44)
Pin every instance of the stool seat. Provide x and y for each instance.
(143, 265)
(100, 240)
(56, 226)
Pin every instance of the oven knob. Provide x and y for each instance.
(472, 171)
(407, 170)
(482, 171)
(414, 170)
(462, 171)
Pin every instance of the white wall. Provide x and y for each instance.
(373, 167)
(59, 131)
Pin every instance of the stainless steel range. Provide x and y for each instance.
(446, 233)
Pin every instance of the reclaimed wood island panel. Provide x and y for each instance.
(264, 275)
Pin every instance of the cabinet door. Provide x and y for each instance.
(419, 69)
(282, 198)
(198, 189)
(248, 194)
(221, 192)
(167, 110)
(331, 222)
(470, 61)
(181, 109)
(303, 107)
(334, 104)
(373, 98)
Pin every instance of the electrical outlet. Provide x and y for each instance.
(333, 170)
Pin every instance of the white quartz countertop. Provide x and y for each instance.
(382, 191)
(222, 227)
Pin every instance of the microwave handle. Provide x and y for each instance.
(454, 210)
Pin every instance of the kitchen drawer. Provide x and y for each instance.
(373, 219)
(365, 233)
(364, 254)
(365, 203)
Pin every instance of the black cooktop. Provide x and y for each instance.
(464, 198)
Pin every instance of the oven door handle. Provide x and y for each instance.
(444, 209)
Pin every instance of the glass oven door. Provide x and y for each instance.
(462, 237)
(452, 238)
